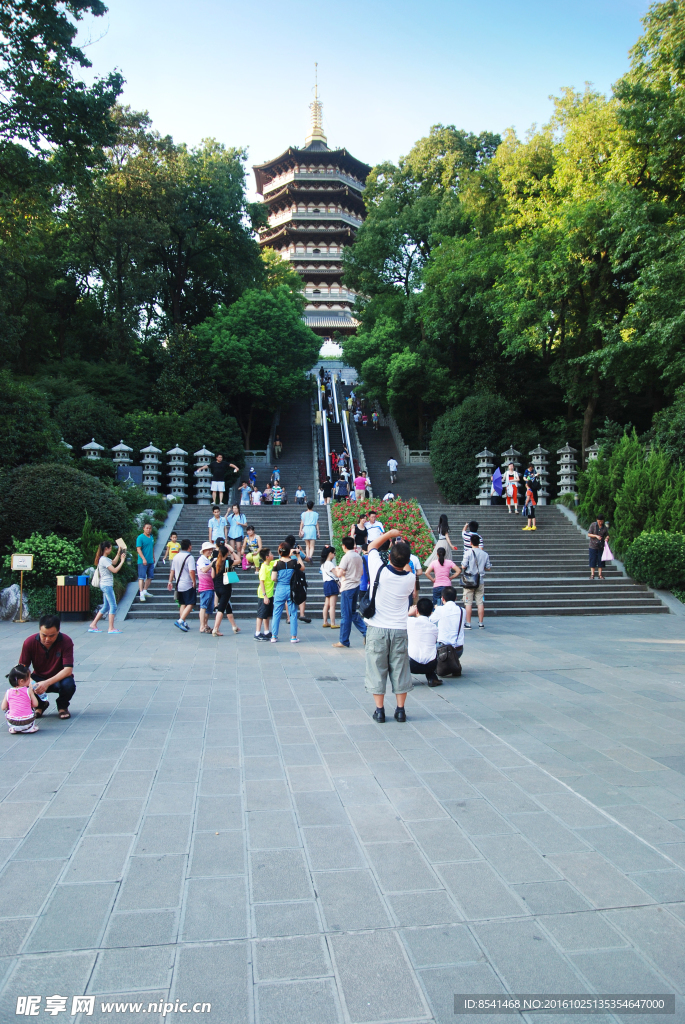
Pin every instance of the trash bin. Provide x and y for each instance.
(72, 598)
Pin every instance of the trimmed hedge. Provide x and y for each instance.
(52, 498)
(658, 559)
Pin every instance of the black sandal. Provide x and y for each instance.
(63, 713)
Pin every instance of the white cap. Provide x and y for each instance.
(207, 544)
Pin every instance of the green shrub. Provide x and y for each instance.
(639, 499)
(481, 421)
(52, 556)
(669, 427)
(42, 601)
(102, 469)
(568, 500)
(657, 559)
(51, 498)
(85, 417)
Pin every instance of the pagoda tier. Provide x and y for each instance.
(315, 202)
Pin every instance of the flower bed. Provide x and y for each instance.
(400, 515)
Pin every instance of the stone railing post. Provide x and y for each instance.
(178, 469)
(203, 477)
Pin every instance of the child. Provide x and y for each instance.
(530, 507)
(265, 593)
(172, 548)
(20, 700)
(330, 586)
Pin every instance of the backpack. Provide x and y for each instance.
(367, 605)
(298, 586)
(470, 580)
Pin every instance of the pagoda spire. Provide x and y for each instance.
(316, 132)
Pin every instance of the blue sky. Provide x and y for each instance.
(388, 69)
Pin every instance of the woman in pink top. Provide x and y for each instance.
(360, 485)
(441, 572)
(20, 700)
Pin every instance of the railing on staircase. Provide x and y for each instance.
(408, 456)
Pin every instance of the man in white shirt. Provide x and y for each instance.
(449, 618)
(387, 655)
(183, 572)
(392, 466)
(422, 633)
(374, 527)
(475, 560)
(349, 572)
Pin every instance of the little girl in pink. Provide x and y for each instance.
(20, 700)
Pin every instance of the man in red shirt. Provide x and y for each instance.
(51, 653)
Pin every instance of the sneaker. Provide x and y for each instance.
(481, 625)
(267, 636)
(467, 625)
(379, 715)
(110, 631)
(400, 715)
(527, 527)
(294, 639)
(274, 639)
(141, 595)
(180, 625)
(533, 527)
(259, 636)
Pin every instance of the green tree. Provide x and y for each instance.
(83, 418)
(262, 350)
(27, 432)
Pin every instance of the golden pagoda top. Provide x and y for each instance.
(316, 132)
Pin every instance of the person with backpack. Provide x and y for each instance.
(475, 564)
(387, 651)
(283, 570)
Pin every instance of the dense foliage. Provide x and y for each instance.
(658, 559)
(51, 498)
(52, 556)
(547, 272)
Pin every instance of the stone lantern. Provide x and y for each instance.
(484, 467)
(69, 446)
(592, 452)
(203, 477)
(152, 468)
(93, 449)
(568, 469)
(122, 454)
(178, 469)
(540, 459)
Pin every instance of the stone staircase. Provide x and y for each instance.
(295, 464)
(541, 573)
(412, 481)
(272, 524)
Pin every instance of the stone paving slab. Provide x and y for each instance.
(222, 822)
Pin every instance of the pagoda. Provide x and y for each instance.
(314, 196)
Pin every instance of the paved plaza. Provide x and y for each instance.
(222, 822)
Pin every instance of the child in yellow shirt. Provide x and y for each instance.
(173, 547)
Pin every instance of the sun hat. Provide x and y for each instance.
(207, 544)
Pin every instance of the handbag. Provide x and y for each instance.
(231, 577)
(179, 576)
(471, 580)
(367, 605)
(95, 578)
(448, 661)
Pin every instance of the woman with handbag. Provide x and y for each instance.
(222, 589)
(330, 586)
(104, 567)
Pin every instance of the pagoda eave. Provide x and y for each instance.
(264, 172)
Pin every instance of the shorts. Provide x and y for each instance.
(530, 511)
(265, 611)
(207, 600)
(330, 588)
(109, 601)
(387, 655)
(469, 596)
(188, 596)
(146, 572)
(595, 558)
(219, 485)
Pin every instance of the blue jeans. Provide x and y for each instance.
(437, 594)
(109, 601)
(349, 615)
(281, 596)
